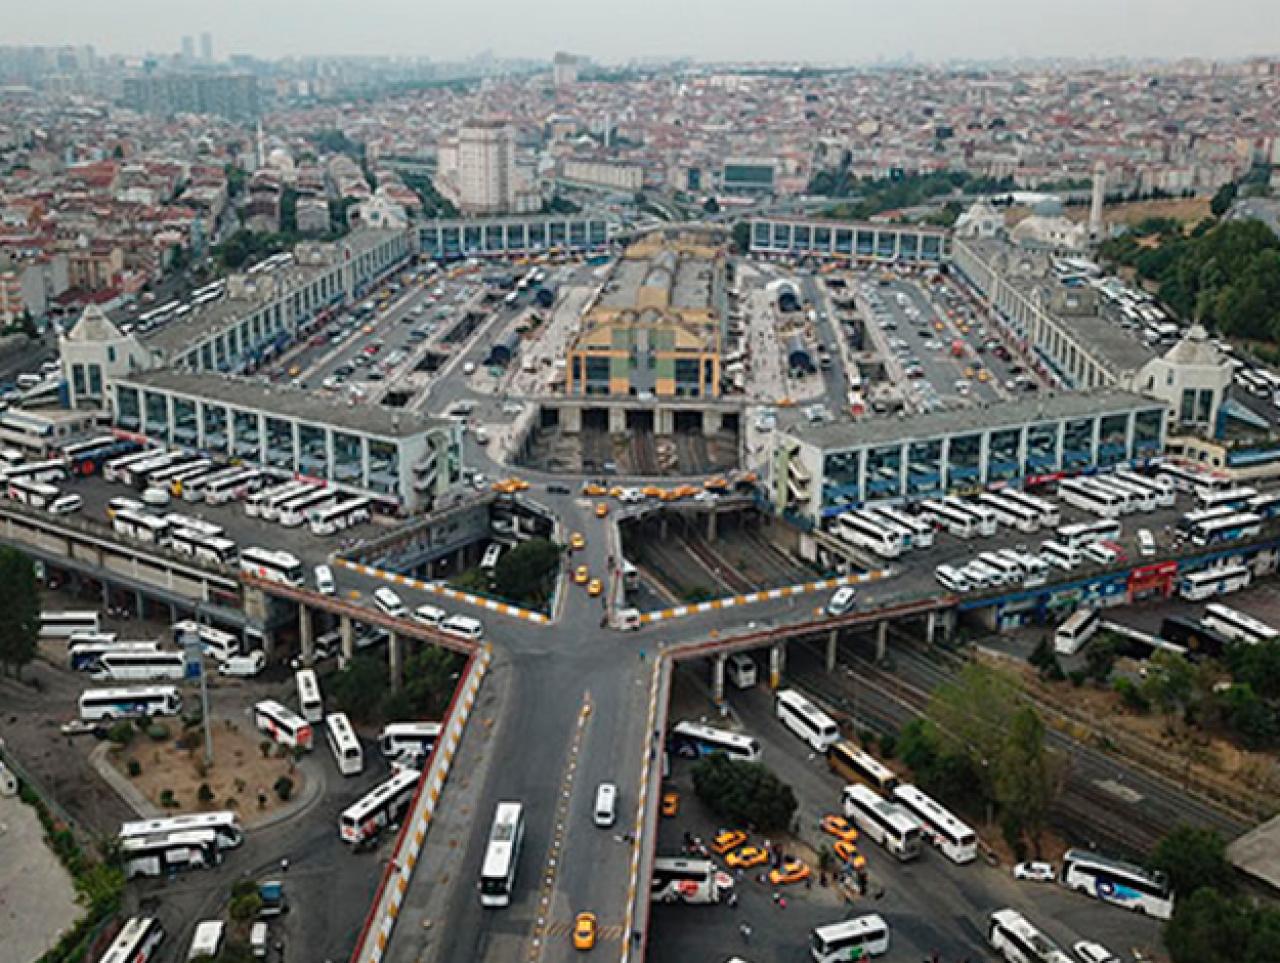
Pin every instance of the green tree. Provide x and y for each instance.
(742, 236)
(1257, 666)
(1170, 683)
(359, 687)
(430, 677)
(1100, 657)
(973, 713)
(1223, 198)
(1027, 777)
(20, 603)
(99, 888)
(1247, 715)
(1192, 858)
(246, 906)
(744, 793)
(526, 573)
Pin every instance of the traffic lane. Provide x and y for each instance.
(942, 368)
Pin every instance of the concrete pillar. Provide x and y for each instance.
(662, 528)
(664, 422)
(833, 639)
(140, 605)
(930, 626)
(882, 639)
(348, 638)
(617, 421)
(393, 661)
(106, 595)
(173, 613)
(717, 678)
(777, 663)
(307, 635)
(711, 526)
(711, 422)
(571, 420)
(268, 644)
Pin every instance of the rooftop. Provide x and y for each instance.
(935, 424)
(286, 402)
(1257, 853)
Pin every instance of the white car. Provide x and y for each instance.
(324, 580)
(1090, 952)
(1035, 872)
(1146, 543)
(156, 497)
(842, 601)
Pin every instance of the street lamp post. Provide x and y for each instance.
(193, 648)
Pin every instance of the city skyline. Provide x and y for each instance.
(830, 32)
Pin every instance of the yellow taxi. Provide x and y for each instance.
(984, 374)
(968, 371)
(839, 827)
(295, 370)
(670, 803)
(615, 491)
(580, 575)
(847, 852)
(938, 326)
(602, 509)
(791, 871)
(592, 490)
(726, 840)
(595, 587)
(747, 857)
(651, 491)
(576, 542)
(584, 931)
(717, 484)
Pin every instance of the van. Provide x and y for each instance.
(243, 666)
(324, 580)
(429, 615)
(463, 626)
(390, 603)
(1097, 552)
(258, 940)
(1146, 541)
(207, 941)
(606, 808)
(629, 619)
(742, 670)
(66, 504)
(469, 368)
(842, 601)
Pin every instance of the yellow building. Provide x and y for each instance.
(655, 329)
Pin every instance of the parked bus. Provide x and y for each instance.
(1165, 495)
(855, 939)
(1219, 580)
(414, 739)
(178, 481)
(310, 701)
(952, 578)
(343, 743)
(225, 825)
(918, 532)
(955, 520)
(1017, 941)
(489, 561)
(231, 487)
(84, 458)
(851, 763)
(134, 473)
(1076, 631)
(35, 494)
(211, 549)
(63, 625)
(83, 656)
(163, 477)
(1266, 504)
(266, 502)
(1192, 520)
(382, 806)
(341, 516)
(137, 942)
(502, 855)
(1011, 513)
(52, 470)
(103, 705)
(139, 666)
(691, 740)
(116, 469)
(300, 508)
(272, 566)
(1192, 639)
(140, 526)
(630, 577)
(1232, 528)
(215, 642)
(1189, 479)
(885, 822)
(1010, 571)
(1086, 533)
(282, 725)
(678, 880)
(1060, 556)
(1236, 498)
(957, 841)
(170, 853)
(865, 531)
(1105, 503)
(1112, 881)
(1050, 516)
(1236, 625)
(986, 518)
(197, 525)
(1141, 497)
(805, 719)
(193, 489)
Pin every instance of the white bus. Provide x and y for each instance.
(1232, 528)
(957, 841)
(230, 487)
(282, 725)
(1189, 522)
(310, 701)
(343, 744)
(1165, 495)
(137, 942)
(187, 468)
(957, 521)
(400, 739)
(1266, 504)
(382, 806)
(83, 656)
(211, 549)
(918, 531)
(225, 825)
(1011, 513)
(691, 740)
(193, 490)
(140, 527)
(1010, 571)
(41, 471)
(272, 566)
(986, 519)
(849, 762)
(1236, 625)
(502, 854)
(296, 510)
(1236, 498)
(266, 502)
(1219, 580)
(1086, 533)
(1189, 479)
(1035, 571)
(343, 515)
(36, 494)
(864, 531)
(170, 853)
(127, 703)
(854, 939)
(1090, 498)
(139, 666)
(677, 880)
(885, 822)
(1141, 498)
(197, 526)
(217, 643)
(490, 559)
(1076, 631)
(63, 625)
(805, 719)
(1049, 514)
(180, 479)
(1017, 941)
(1113, 881)
(116, 469)
(133, 473)
(952, 578)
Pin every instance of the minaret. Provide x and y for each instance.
(262, 148)
(1095, 203)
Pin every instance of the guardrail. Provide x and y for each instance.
(470, 598)
(375, 935)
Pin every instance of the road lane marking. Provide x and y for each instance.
(786, 591)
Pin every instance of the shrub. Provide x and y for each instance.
(135, 768)
(158, 731)
(1132, 695)
(167, 799)
(1077, 677)
(888, 745)
(245, 907)
(265, 748)
(744, 793)
(204, 793)
(284, 788)
(188, 740)
(121, 733)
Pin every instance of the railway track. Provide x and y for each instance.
(718, 566)
(644, 455)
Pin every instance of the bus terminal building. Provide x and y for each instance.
(821, 471)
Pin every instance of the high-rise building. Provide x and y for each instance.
(188, 49)
(486, 167)
(564, 70)
(206, 47)
(1096, 201)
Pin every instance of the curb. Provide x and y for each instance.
(120, 783)
(502, 608)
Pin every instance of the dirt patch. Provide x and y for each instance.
(1188, 210)
(239, 778)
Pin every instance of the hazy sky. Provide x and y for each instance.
(843, 31)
